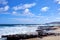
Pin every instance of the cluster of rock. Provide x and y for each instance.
(19, 36)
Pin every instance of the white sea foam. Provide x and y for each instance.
(16, 30)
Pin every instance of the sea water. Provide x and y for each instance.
(16, 29)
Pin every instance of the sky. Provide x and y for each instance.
(29, 11)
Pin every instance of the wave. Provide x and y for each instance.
(16, 30)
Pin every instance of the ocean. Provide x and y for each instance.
(10, 29)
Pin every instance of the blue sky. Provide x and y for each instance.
(29, 11)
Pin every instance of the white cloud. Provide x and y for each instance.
(44, 9)
(57, 1)
(19, 7)
(25, 9)
(2, 9)
(14, 13)
(6, 8)
(27, 12)
(29, 5)
(3, 2)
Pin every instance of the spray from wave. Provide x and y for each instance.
(16, 30)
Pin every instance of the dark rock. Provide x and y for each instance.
(19, 36)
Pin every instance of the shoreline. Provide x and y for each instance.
(33, 36)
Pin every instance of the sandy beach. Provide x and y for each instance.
(57, 37)
(46, 38)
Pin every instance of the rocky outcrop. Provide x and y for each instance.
(19, 36)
